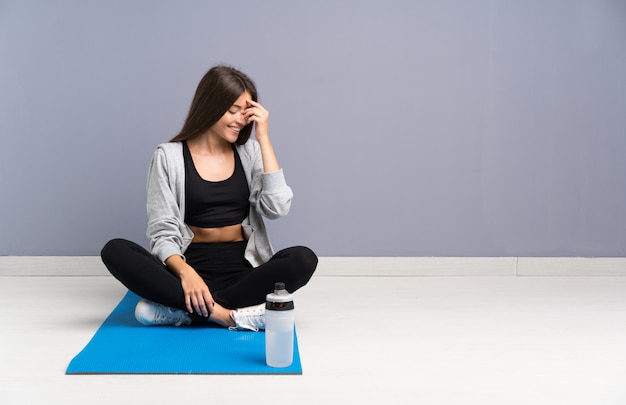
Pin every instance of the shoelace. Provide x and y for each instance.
(251, 318)
(168, 315)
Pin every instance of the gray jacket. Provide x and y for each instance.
(169, 235)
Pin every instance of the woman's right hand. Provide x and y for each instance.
(198, 298)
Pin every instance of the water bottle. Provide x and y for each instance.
(279, 327)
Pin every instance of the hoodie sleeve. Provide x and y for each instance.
(269, 193)
(166, 231)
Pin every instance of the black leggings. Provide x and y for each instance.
(233, 282)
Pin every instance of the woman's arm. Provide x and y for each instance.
(270, 194)
(166, 231)
(255, 112)
(198, 298)
(167, 234)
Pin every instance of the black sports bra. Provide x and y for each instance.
(213, 204)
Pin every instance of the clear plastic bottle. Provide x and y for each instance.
(279, 324)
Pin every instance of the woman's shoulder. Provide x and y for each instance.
(170, 147)
(168, 151)
(168, 156)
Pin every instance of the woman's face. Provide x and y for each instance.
(233, 120)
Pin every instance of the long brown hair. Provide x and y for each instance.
(217, 91)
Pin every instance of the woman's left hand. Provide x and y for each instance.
(255, 112)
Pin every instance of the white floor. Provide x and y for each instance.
(363, 340)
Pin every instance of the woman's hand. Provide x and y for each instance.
(255, 112)
(198, 298)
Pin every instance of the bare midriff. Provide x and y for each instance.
(231, 233)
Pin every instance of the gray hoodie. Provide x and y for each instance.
(169, 235)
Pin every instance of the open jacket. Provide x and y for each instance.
(270, 197)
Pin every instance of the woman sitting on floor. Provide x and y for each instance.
(208, 189)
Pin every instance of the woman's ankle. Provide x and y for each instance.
(221, 316)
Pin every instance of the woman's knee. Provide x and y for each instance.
(305, 260)
(118, 253)
(112, 249)
(309, 257)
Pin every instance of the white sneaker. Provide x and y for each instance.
(152, 314)
(250, 318)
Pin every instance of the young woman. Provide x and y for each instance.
(208, 189)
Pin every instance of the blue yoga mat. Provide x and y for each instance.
(123, 346)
